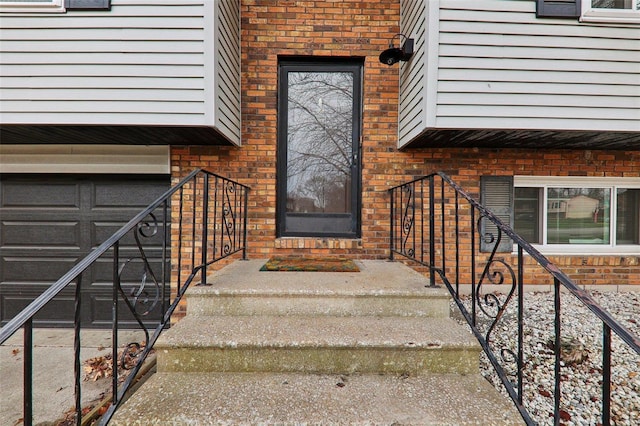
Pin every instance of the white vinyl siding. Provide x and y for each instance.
(141, 63)
(500, 67)
(227, 56)
(413, 81)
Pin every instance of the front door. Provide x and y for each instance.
(319, 149)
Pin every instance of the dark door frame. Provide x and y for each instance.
(286, 65)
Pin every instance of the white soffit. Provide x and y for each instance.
(125, 159)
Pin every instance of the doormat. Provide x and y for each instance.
(310, 264)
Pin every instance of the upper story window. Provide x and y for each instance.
(32, 6)
(624, 11)
(59, 6)
(611, 11)
(578, 215)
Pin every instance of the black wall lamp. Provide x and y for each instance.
(396, 54)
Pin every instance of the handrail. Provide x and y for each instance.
(212, 217)
(424, 231)
(550, 267)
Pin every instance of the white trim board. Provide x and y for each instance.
(96, 159)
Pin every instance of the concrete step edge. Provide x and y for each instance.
(212, 292)
(253, 303)
(303, 331)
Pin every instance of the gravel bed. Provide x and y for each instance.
(581, 368)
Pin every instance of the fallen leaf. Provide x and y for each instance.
(102, 366)
(544, 393)
(16, 352)
(564, 415)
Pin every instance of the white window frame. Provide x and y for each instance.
(51, 6)
(592, 14)
(612, 184)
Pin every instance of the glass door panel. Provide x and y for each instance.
(318, 150)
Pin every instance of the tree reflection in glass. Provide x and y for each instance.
(578, 215)
(319, 142)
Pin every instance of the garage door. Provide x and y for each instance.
(49, 223)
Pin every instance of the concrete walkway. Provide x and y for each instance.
(53, 377)
(316, 399)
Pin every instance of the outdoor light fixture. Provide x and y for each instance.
(396, 54)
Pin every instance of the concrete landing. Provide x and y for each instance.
(381, 288)
(288, 399)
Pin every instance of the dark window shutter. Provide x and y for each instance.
(496, 194)
(558, 8)
(88, 4)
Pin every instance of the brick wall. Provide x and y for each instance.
(466, 166)
(350, 28)
(307, 28)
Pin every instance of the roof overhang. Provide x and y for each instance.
(128, 135)
(514, 138)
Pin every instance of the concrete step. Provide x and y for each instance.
(369, 347)
(338, 345)
(296, 399)
(381, 288)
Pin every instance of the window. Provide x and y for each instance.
(627, 212)
(32, 6)
(610, 11)
(52, 5)
(579, 215)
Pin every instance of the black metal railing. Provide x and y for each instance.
(203, 219)
(435, 223)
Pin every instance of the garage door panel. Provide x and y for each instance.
(132, 273)
(111, 196)
(53, 314)
(28, 270)
(44, 235)
(37, 194)
(96, 310)
(155, 234)
(101, 312)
